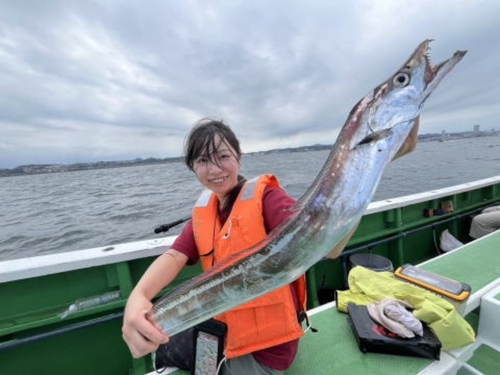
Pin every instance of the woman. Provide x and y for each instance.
(224, 224)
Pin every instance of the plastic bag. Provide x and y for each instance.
(448, 242)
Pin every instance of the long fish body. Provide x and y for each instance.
(329, 210)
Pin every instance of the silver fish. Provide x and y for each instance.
(329, 210)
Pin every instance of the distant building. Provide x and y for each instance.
(477, 128)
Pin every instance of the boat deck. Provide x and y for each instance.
(333, 349)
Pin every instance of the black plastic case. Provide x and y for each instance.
(373, 337)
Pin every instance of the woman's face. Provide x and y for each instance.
(219, 170)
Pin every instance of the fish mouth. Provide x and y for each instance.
(434, 73)
(419, 64)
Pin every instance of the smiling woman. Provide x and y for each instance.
(231, 215)
(213, 153)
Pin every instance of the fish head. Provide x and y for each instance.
(391, 108)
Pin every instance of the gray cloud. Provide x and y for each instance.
(108, 80)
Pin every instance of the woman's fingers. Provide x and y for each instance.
(141, 336)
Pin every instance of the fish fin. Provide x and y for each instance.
(410, 142)
(339, 247)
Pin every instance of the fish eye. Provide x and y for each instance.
(401, 79)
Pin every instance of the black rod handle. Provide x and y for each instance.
(168, 226)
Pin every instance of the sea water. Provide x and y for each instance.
(59, 212)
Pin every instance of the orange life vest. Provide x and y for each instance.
(268, 320)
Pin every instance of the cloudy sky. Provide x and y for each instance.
(98, 80)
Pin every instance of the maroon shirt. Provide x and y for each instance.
(276, 203)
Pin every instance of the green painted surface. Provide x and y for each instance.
(413, 246)
(95, 350)
(477, 263)
(34, 338)
(473, 319)
(486, 360)
(333, 350)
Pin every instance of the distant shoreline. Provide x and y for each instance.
(31, 169)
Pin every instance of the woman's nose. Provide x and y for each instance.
(213, 166)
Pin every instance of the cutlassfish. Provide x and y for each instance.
(327, 213)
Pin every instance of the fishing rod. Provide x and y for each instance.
(168, 226)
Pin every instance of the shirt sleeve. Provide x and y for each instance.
(185, 243)
(276, 207)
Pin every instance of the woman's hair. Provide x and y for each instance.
(201, 141)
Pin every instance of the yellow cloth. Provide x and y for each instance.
(440, 315)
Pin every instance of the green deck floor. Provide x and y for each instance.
(333, 350)
(477, 264)
(486, 360)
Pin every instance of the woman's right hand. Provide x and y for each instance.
(141, 336)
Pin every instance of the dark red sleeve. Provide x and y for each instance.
(276, 207)
(186, 245)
